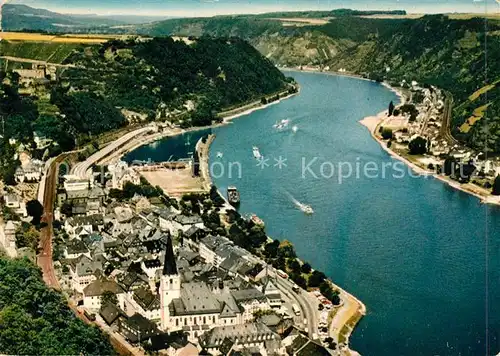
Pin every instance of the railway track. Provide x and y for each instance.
(446, 124)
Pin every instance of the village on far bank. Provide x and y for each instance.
(417, 131)
(167, 271)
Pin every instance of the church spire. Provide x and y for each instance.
(169, 266)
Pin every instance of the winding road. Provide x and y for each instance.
(82, 169)
(305, 303)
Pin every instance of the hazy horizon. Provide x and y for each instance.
(194, 8)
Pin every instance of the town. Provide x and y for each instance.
(182, 275)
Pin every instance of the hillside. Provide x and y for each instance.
(118, 83)
(48, 52)
(437, 50)
(37, 321)
(17, 17)
(164, 76)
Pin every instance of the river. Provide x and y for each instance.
(412, 249)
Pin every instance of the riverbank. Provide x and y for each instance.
(398, 91)
(372, 123)
(227, 117)
(203, 149)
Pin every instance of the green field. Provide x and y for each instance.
(43, 51)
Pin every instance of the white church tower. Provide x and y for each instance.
(170, 285)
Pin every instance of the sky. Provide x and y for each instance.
(192, 8)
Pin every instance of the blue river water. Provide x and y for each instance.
(423, 257)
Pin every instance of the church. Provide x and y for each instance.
(195, 308)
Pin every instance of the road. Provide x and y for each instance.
(44, 258)
(82, 169)
(305, 303)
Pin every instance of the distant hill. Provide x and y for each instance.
(433, 49)
(22, 17)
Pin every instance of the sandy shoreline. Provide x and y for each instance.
(372, 123)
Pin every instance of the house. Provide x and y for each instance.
(255, 335)
(138, 329)
(93, 292)
(276, 323)
(76, 248)
(208, 247)
(272, 294)
(150, 266)
(84, 271)
(14, 202)
(30, 172)
(195, 233)
(297, 343)
(146, 303)
(121, 174)
(8, 238)
(250, 300)
(83, 225)
(75, 183)
(176, 343)
(174, 223)
(111, 314)
(165, 217)
(131, 281)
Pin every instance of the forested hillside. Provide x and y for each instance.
(35, 320)
(123, 82)
(163, 76)
(449, 53)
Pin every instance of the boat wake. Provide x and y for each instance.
(306, 209)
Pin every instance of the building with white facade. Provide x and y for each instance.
(121, 173)
(92, 294)
(194, 308)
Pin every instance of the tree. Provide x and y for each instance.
(299, 280)
(306, 268)
(316, 279)
(279, 263)
(35, 210)
(67, 209)
(386, 133)
(109, 297)
(27, 236)
(286, 250)
(496, 186)
(294, 265)
(36, 320)
(391, 108)
(418, 146)
(271, 249)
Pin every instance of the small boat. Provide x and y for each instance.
(283, 124)
(295, 128)
(256, 153)
(307, 209)
(233, 195)
(220, 154)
